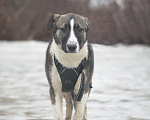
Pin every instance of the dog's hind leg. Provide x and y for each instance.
(69, 106)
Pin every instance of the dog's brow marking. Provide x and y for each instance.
(72, 24)
(72, 35)
(72, 39)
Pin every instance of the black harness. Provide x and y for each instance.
(69, 77)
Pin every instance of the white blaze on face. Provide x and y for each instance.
(72, 38)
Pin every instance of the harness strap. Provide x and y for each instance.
(70, 76)
(81, 90)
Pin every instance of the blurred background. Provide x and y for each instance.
(120, 33)
(112, 21)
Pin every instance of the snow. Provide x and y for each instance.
(121, 82)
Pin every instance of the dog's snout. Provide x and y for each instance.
(71, 47)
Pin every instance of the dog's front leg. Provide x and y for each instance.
(56, 99)
(69, 106)
(79, 107)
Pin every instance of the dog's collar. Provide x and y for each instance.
(69, 77)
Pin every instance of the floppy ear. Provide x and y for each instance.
(87, 23)
(52, 21)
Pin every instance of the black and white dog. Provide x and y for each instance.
(69, 65)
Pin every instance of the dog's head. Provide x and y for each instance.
(69, 31)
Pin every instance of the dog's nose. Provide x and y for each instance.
(71, 47)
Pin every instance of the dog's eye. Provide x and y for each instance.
(80, 30)
(63, 29)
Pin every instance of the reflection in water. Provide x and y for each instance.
(121, 82)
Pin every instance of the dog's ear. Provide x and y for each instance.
(87, 23)
(52, 21)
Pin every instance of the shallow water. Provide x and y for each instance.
(121, 82)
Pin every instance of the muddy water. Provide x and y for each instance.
(121, 82)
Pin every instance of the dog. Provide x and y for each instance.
(69, 65)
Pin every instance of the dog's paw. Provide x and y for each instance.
(58, 118)
(68, 118)
(77, 118)
(84, 119)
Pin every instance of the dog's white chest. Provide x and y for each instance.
(69, 60)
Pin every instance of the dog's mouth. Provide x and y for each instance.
(71, 52)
